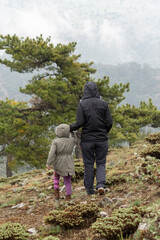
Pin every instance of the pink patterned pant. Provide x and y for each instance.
(67, 182)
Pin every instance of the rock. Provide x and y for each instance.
(119, 203)
(118, 199)
(105, 201)
(85, 202)
(48, 197)
(29, 210)
(50, 187)
(20, 205)
(32, 231)
(62, 189)
(42, 195)
(32, 189)
(25, 182)
(107, 190)
(17, 190)
(79, 189)
(143, 226)
(103, 214)
(93, 199)
(124, 206)
(130, 194)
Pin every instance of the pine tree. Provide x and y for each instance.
(23, 136)
(56, 89)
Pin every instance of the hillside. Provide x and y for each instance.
(133, 189)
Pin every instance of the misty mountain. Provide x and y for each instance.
(10, 82)
(144, 81)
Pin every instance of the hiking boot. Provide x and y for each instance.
(90, 192)
(68, 197)
(101, 191)
(56, 193)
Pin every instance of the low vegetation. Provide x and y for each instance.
(123, 222)
(13, 231)
(129, 210)
(74, 216)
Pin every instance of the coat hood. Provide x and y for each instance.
(62, 130)
(90, 91)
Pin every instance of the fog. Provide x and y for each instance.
(108, 32)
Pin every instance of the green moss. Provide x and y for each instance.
(151, 220)
(115, 179)
(152, 150)
(149, 170)
(13, 231)
(153, 138)
(73, 216)
(12, 202)
(122, 223)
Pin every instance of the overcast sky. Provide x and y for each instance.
(106, 31)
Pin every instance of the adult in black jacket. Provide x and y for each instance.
(94, 117)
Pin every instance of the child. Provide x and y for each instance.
(61, 159)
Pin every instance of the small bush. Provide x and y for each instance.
(73, 216)
(115, 179)
(122, 223)
(153, 138)
(152, 221)
(13, 231)
(153, 150)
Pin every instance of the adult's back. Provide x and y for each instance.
(93, 115)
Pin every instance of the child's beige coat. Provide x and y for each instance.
(60, 155)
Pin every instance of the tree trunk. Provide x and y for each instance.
(78, 152)
(8, 168)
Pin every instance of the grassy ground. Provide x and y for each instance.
(132, 180)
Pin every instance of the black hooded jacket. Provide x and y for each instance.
(93, 115)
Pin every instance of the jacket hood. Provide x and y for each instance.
(62, 130)
(90, 90)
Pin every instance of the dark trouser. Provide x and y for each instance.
(91, 152)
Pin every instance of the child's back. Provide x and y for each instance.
(64, 162)
(60, 155)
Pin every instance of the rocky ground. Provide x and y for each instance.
(133, 180)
